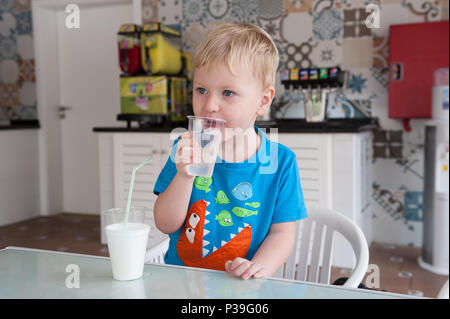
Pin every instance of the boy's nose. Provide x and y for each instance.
(212, 104)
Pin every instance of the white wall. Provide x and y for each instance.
(19, 175)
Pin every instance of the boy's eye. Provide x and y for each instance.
(228, 93)
(201, 90)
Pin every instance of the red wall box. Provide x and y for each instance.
(415, 52)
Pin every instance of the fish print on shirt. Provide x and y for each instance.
(190, 245)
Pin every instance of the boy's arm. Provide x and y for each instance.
(273, 252)
(171, 206)
(276, 247)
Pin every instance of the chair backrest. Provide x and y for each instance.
(311, 257)
(155, 255)
(443, 293)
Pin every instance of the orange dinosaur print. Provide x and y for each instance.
(190, 243)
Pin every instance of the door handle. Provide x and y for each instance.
(62, 111)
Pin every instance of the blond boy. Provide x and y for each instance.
(242, 220)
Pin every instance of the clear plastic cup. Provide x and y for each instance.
(207, 134)
(127, 241)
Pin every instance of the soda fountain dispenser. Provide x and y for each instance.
(311, 88)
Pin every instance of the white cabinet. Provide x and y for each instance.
(334, 171)
(19, 175)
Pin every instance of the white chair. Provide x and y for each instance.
(155, 255)
(443, 293)
(314, 243)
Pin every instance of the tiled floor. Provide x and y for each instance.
(398, 268)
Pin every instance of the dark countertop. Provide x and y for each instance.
(21, 125)
(283, 126)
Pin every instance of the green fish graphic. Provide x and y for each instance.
(222, 198)
(242, 212)
(254, 204)
(224, 218)
(203, 183)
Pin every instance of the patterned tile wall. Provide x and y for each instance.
(329, 33)
(17, 78)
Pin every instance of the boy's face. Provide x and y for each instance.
(237, 98)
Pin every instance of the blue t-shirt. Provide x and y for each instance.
(230, 213)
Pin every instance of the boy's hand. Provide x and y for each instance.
(244, 268)
(185, 154)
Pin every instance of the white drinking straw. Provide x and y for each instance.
(130, 192)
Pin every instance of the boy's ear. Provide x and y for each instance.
(266, 101)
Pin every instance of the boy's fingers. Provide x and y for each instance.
(241, 268)
(253, 269)
(227, 265)
(259, 274)
(236, 263)
(183, 155)
(186, 135)
(232, 265)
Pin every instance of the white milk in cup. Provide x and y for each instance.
(127, 241)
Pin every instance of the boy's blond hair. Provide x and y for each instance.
(233, 43)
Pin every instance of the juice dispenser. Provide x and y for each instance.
(158, 96)
(129, 48)
(160, 49)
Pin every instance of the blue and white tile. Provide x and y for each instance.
(218, 9)
(25, 46)
(296, 27)
(194, 11)
(6, 5)
(243, 11)
(413, 206)
(7, 24)
(150, 12)
(193, 34)
(8, 48)
(327, 25)
(358, 83)
(270, 8)
(27, 94)
(273, 26)
(326, 54)
(24, 24)
(28, 112)
(9, 71)
(170, 12)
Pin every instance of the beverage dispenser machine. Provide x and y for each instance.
(436, 205)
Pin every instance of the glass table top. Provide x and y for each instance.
(32, 273)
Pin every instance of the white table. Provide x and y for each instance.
(33, 273)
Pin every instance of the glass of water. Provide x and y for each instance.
(207, 135)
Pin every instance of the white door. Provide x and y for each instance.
(90, 86)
